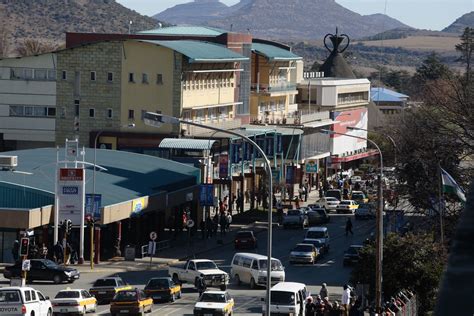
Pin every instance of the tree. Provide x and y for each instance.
(466, 48)
(411, 262)
(431, 69)
(32, 46)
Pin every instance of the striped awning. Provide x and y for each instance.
(187, 143)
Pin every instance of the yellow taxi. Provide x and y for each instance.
(105, 289)
(214, 303)
(73, 301)
(131, 302)
(163, 289)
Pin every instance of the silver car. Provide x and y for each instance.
(295, 218)
(305, 253)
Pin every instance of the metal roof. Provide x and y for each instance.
(201, 52)
(187, 143)
(274, 53)
(185, 30)
(386, 95)
(128, 175)
(253, 130)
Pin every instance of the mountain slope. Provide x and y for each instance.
(196, 12)
(458, 26)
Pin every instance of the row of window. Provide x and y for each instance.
(271, 106)
(93, 76)
(208, 84)
(110, 77)
(222, 112)
(344, 98)
(32, 111)
(145, 79)
(40, 74)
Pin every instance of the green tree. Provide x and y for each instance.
(466, 48)
(411, 262)
(431, 69)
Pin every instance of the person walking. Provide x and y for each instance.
(310, 307)
(324, 291)
(349, 226)
(44, 251)
(223, 223)
(346, 300)
(201, 285)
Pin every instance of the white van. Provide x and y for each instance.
(287, 298)
(251, 268)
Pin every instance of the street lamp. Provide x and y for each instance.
(390, 138)
(156, 120)
(378, 227)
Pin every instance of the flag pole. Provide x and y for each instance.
(440, 203)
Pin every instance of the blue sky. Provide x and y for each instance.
(424, 14)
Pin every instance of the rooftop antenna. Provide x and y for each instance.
(130, 27)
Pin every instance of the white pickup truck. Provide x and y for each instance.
(24, 301)
(192, 269)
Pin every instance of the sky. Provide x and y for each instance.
(422, 14)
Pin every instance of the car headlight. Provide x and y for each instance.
(68, 273)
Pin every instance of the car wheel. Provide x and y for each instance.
(252, 283)
(173, 297)
(223, 287)
(57, 279)
(176, 279)
(237, 279)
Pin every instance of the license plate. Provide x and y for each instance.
(102, 292)
(156, 296)
(124, 310)
(207, 314)
(63, 310)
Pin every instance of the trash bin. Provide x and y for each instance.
(130, 253)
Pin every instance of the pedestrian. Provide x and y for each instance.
(279, 208)
(201, 285)
(319, 306)
(305, 192)
(202, 226)
(223, 224)
(209, 226)
(16, 250)
(44, 251)
(297, 202)
(324, 291)
(58, 253)
(349, 226)
(336, 309)
(346, 300)
(310, 307)
(215, 222)
(327, 306)
(300, 193)
(228, 221)
(247, 196)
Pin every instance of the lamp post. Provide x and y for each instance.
(390, 138)
(378, 227)
(156, 120)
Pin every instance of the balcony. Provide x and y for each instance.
(273, 88)
(291, 118)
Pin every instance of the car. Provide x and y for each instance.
(74, 301)
(321, 247)
(192, 269)
(133, 301)
(295, 218)
(251, 268)
(365, 210)
(347, 207)
(104, 289)
(317, 215)
(306, 253)
(335, 193)
(352, 255)
(214, 303)
(359, 197)
(43, 270)
(355, 179)
(245, 239)
(320, 234)
(329, 203)
(162, 289)
(24, 300)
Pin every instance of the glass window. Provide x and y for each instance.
(51, 111)
(206, 265)
(64, 75)
(40, 296)
(11, 296)
(41, 74)
(28, 111)
(110, 113)
(76, 107)
(131, 77)
(93, 75)
(28, 73)
(191, 266)
(17, 110)
(40, 111)
(282, 298)
(131, 114)
(144, 78)
(27, 296)
(159, 78)
(105, 283)
(255, 265)
(91, 112)
(52, 74)
(110, 76)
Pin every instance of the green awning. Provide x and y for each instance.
(274, 53)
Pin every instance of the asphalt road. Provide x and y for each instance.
(328, 269)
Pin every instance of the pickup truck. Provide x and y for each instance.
(24, 301)
(191, 270)
(105, 289)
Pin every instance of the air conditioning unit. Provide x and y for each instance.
(8, 162)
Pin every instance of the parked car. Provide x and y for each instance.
(335, 193)
(245, 239)
(295, 218)
(317, 215)
(352, 255)
(162, 289)
(214, 303)
(329, 203)
(43, 270)
(251, 268)
(321, 247)
(365, 211)
(104, 289)
(74, 301)
(24, 301)
(134, 302)
(347, 207)
(359, 197)
(306, 253)
(192, 269)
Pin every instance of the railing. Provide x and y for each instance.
(160, 245)
(269, 88)
(290, 118)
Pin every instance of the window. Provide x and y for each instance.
(93, 75)
(63, 112)
(255, 265)
(64, 75)
(76, 107)
(110, 76)
(51, 74)
(27, 296)
(41, 74)
(131, 114)
(51, 111)
(131, 77)
(159, 78)
(110, 113)
(91, 112)
(28, 111)
(28, 73)
(144, 78)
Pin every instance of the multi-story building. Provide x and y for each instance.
(27, 102)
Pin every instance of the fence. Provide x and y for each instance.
(160, 245)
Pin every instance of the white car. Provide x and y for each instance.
(24, 301)
(75, 301)
(347, 207)
(329, 203)
(214, 303)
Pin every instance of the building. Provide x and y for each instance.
(27, 102)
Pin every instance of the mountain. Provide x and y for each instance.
(48, 20)
(281, 19)
(458, 26)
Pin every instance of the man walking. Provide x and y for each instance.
(349, 226)
(346, 299)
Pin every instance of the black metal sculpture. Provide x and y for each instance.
(336, 40)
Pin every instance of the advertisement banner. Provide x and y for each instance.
(71, 194)
(138, 205)
(93, 205)
(290, 174)
(223, 166)
(311, 166)
(206, 195)
(236, 153)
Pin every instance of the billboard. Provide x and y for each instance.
(70, 194)
(351, 118)
(223, 166)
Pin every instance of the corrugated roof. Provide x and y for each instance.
(187, 143)
(386, 95)
(201, 52)
(128, 175)
(185, 30)
(274, 53)
(254, 130)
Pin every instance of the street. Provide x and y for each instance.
(328, 269)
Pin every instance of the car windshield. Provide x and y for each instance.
(334, 194)
(303, 248)
(212, 297)
(345, 203)
(105, 282)
(244, 235)
(331, 199)
(206, 265)
(314, 234)
(49, 263)
(10, 296)
(354, 250)
(316, 243)
(67, 294)
(159, 283)
(282, 298)
(276, 265)
(294, 212)
(358, 196)
(124, 296)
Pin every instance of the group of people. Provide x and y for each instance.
(59, 254)
(322, 306)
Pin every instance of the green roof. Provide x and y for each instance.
(128, 175)
(185, 30)
(201, 52)
(274, 53)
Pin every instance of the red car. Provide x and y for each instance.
(245, 239)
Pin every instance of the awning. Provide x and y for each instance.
(366, 154)
(274, 53)
(187, 143)
(319, 156)
(319, 123)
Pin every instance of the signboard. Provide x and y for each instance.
(236, 149)
(71, 149)
(223, 166)
(206, 195)
(26, 265)
(93, 205)
(138, 205)
(71, 195)
(311, 166)
(151, 248)
(190, 223)
(153, 236)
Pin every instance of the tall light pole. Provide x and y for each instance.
(156, 120)
(390, 138)
(378, 227)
